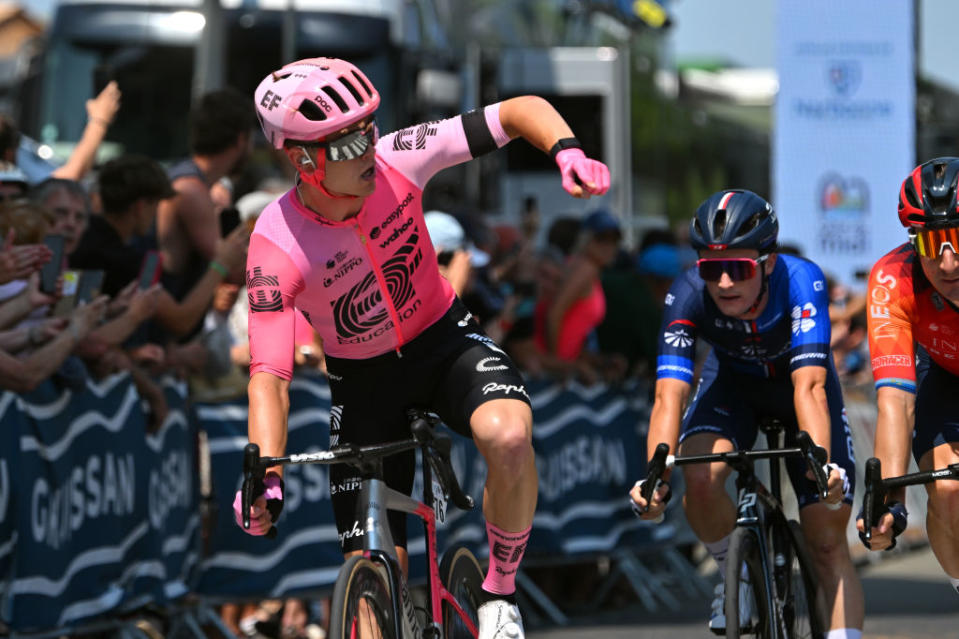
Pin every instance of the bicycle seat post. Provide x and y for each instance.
(773, 428)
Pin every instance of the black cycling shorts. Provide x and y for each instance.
(451, 368)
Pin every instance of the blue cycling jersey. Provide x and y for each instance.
(792, 331)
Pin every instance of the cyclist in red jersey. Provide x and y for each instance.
(913, 322)
(348, 248)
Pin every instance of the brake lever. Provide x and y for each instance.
(816, 458)
(251, 463)
(874, 497)
(654, 472)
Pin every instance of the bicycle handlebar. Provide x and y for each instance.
(436, 449)
(877, 488)
(814, 455)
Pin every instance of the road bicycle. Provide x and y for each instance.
(876, 489)
(370, 597)
(767, 554)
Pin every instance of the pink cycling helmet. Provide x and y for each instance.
(309, 99)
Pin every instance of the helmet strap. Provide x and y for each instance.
(762, 289)
(315, 177)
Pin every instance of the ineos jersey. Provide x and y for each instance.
(368, 284)
(905, 309)
(792, 331)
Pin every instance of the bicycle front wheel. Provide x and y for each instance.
(797, 587)
(362, 606)
(463, 578)
(746, 596)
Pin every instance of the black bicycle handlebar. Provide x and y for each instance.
(814, 455)
(878, 488)
(436, 448)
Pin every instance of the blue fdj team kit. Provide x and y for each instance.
(748, 373)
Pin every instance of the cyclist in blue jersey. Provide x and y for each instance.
(766, 318)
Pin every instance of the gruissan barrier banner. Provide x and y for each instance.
(588, 450)
(105, 515)
(844, 129)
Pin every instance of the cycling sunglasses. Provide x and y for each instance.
(351, 145)
(739, 269)
(932, 242)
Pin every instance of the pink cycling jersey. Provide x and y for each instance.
(368, 284)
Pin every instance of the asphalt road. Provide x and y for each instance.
(907, 597)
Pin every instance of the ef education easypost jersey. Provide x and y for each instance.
(368, 284)
(905, 309)
(792, 331)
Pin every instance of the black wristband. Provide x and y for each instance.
(562, 144)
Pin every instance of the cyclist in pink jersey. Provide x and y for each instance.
(348, 248)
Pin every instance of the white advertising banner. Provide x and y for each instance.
(845, 128)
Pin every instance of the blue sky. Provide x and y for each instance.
(743, 31)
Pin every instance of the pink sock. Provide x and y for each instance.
(505, 552)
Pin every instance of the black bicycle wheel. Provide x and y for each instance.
(745, 577)
(797, 586)
(463, 578)
(362, 606)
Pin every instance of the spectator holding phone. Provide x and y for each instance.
(131, 189)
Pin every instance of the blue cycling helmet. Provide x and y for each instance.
(734, 219)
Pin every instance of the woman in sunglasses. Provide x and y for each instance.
(766, 317)
(913, 323)
(348, 248)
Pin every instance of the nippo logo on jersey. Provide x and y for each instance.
(803, 321)
(677, 334)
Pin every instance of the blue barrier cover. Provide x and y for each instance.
(98, 502)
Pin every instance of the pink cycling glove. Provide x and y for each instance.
(593, 175)
(272, 489)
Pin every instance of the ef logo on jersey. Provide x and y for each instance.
(803, 321)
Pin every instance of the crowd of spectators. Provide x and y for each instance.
(131, 266)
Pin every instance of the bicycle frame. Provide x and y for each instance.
(376, 498)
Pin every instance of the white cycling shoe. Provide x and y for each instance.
(500, 619)
(717, 617)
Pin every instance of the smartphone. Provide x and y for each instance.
(88, 289)
(229, 220)
(68, 294)
(51, 270)
(150, 270)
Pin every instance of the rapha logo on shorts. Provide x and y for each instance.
(355, 531)
(466, 320)
(263, 291)
(484, 365)
(506, 389)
